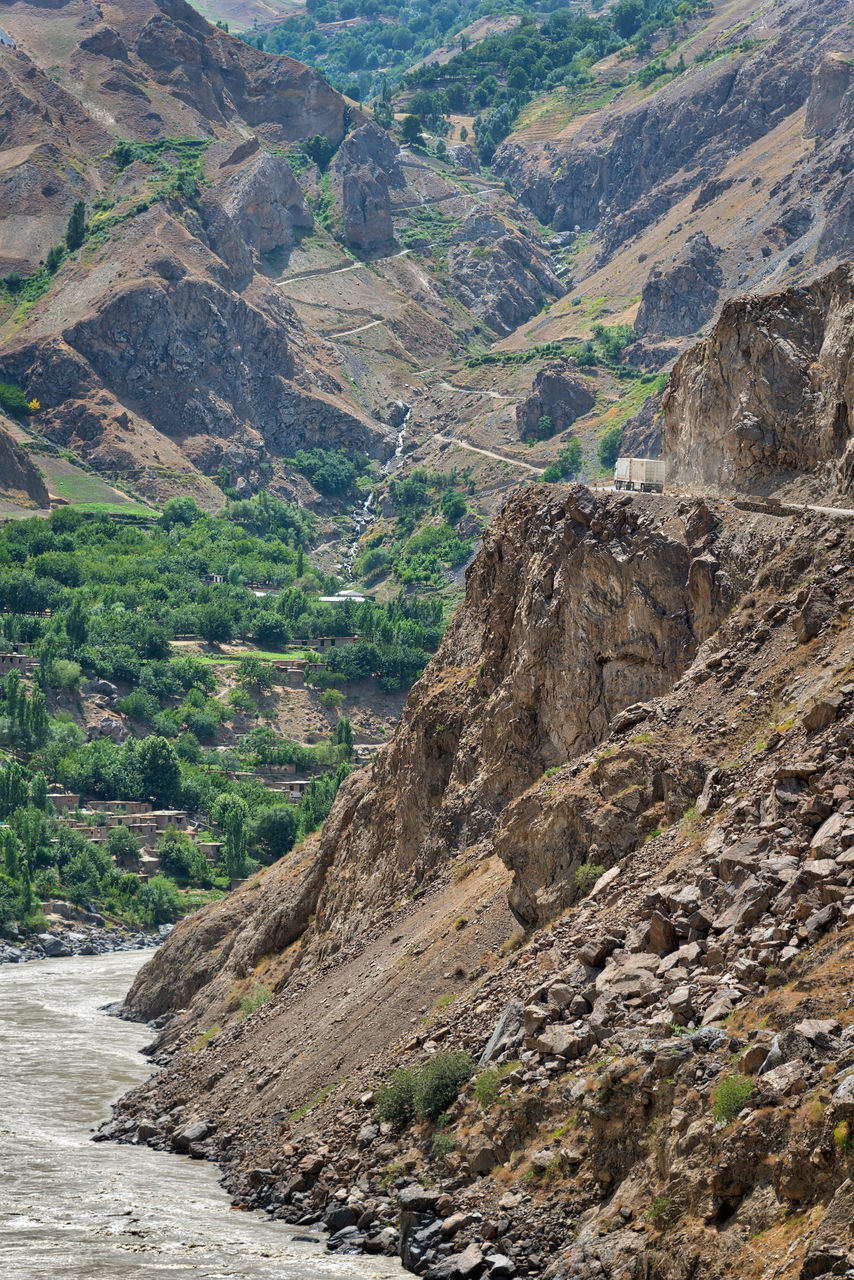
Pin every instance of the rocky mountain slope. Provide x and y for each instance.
(608, 853)
(20, 478)
(182, 141)
(726, 174)
(716, 814)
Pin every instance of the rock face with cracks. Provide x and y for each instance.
(766, 398)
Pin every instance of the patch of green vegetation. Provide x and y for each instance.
(730, 1097)
(424, 1091)
(659, 1210)
(567, 465)
(257, 998)
(204, 1038)
(488, 1082)
(315, 1101)
(586, 876)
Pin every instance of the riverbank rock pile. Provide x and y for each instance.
(71, 931)
(664, 1051)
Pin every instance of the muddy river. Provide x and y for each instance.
(71, 1209)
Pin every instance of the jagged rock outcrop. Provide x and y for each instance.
(263, 199)
(499, 274)
(20, 478)
(217, 75)
(766, 399)
(682, 298)
(365, 169)
(559, 395)
(831, 81)
(465, 157)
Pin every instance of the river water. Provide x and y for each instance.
(71, 1209)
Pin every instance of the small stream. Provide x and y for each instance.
(71, 1209)
(365, 515)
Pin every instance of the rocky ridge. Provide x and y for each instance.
(20, 478)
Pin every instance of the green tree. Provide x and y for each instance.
(231, 813)
(275, 830)
(76, 622)
(76, 232)
(567, 466)
(11, 863)
(159, 770)
(159, 901)
(25, 900)
(344, 733)
(38, 792)
(609, 447)
(410, 131)
(123, 847)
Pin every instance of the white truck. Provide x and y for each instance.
(645, 475)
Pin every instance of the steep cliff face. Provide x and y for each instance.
(559, 395)
(766, 399)
(365, 170)
(681, 300)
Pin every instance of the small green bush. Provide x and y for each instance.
(730, 1096)
(425, 1091)
(659, 1209)
(443, 1145)
(395, 1101)
(609, 447)
(486, 1088)
(842, 1136)
(260, 995)
(586, 876)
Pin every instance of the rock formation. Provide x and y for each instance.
(364, 170)
(498, 274)
(683, 298)
(557, 394)
(765, 399)
(20, 478)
